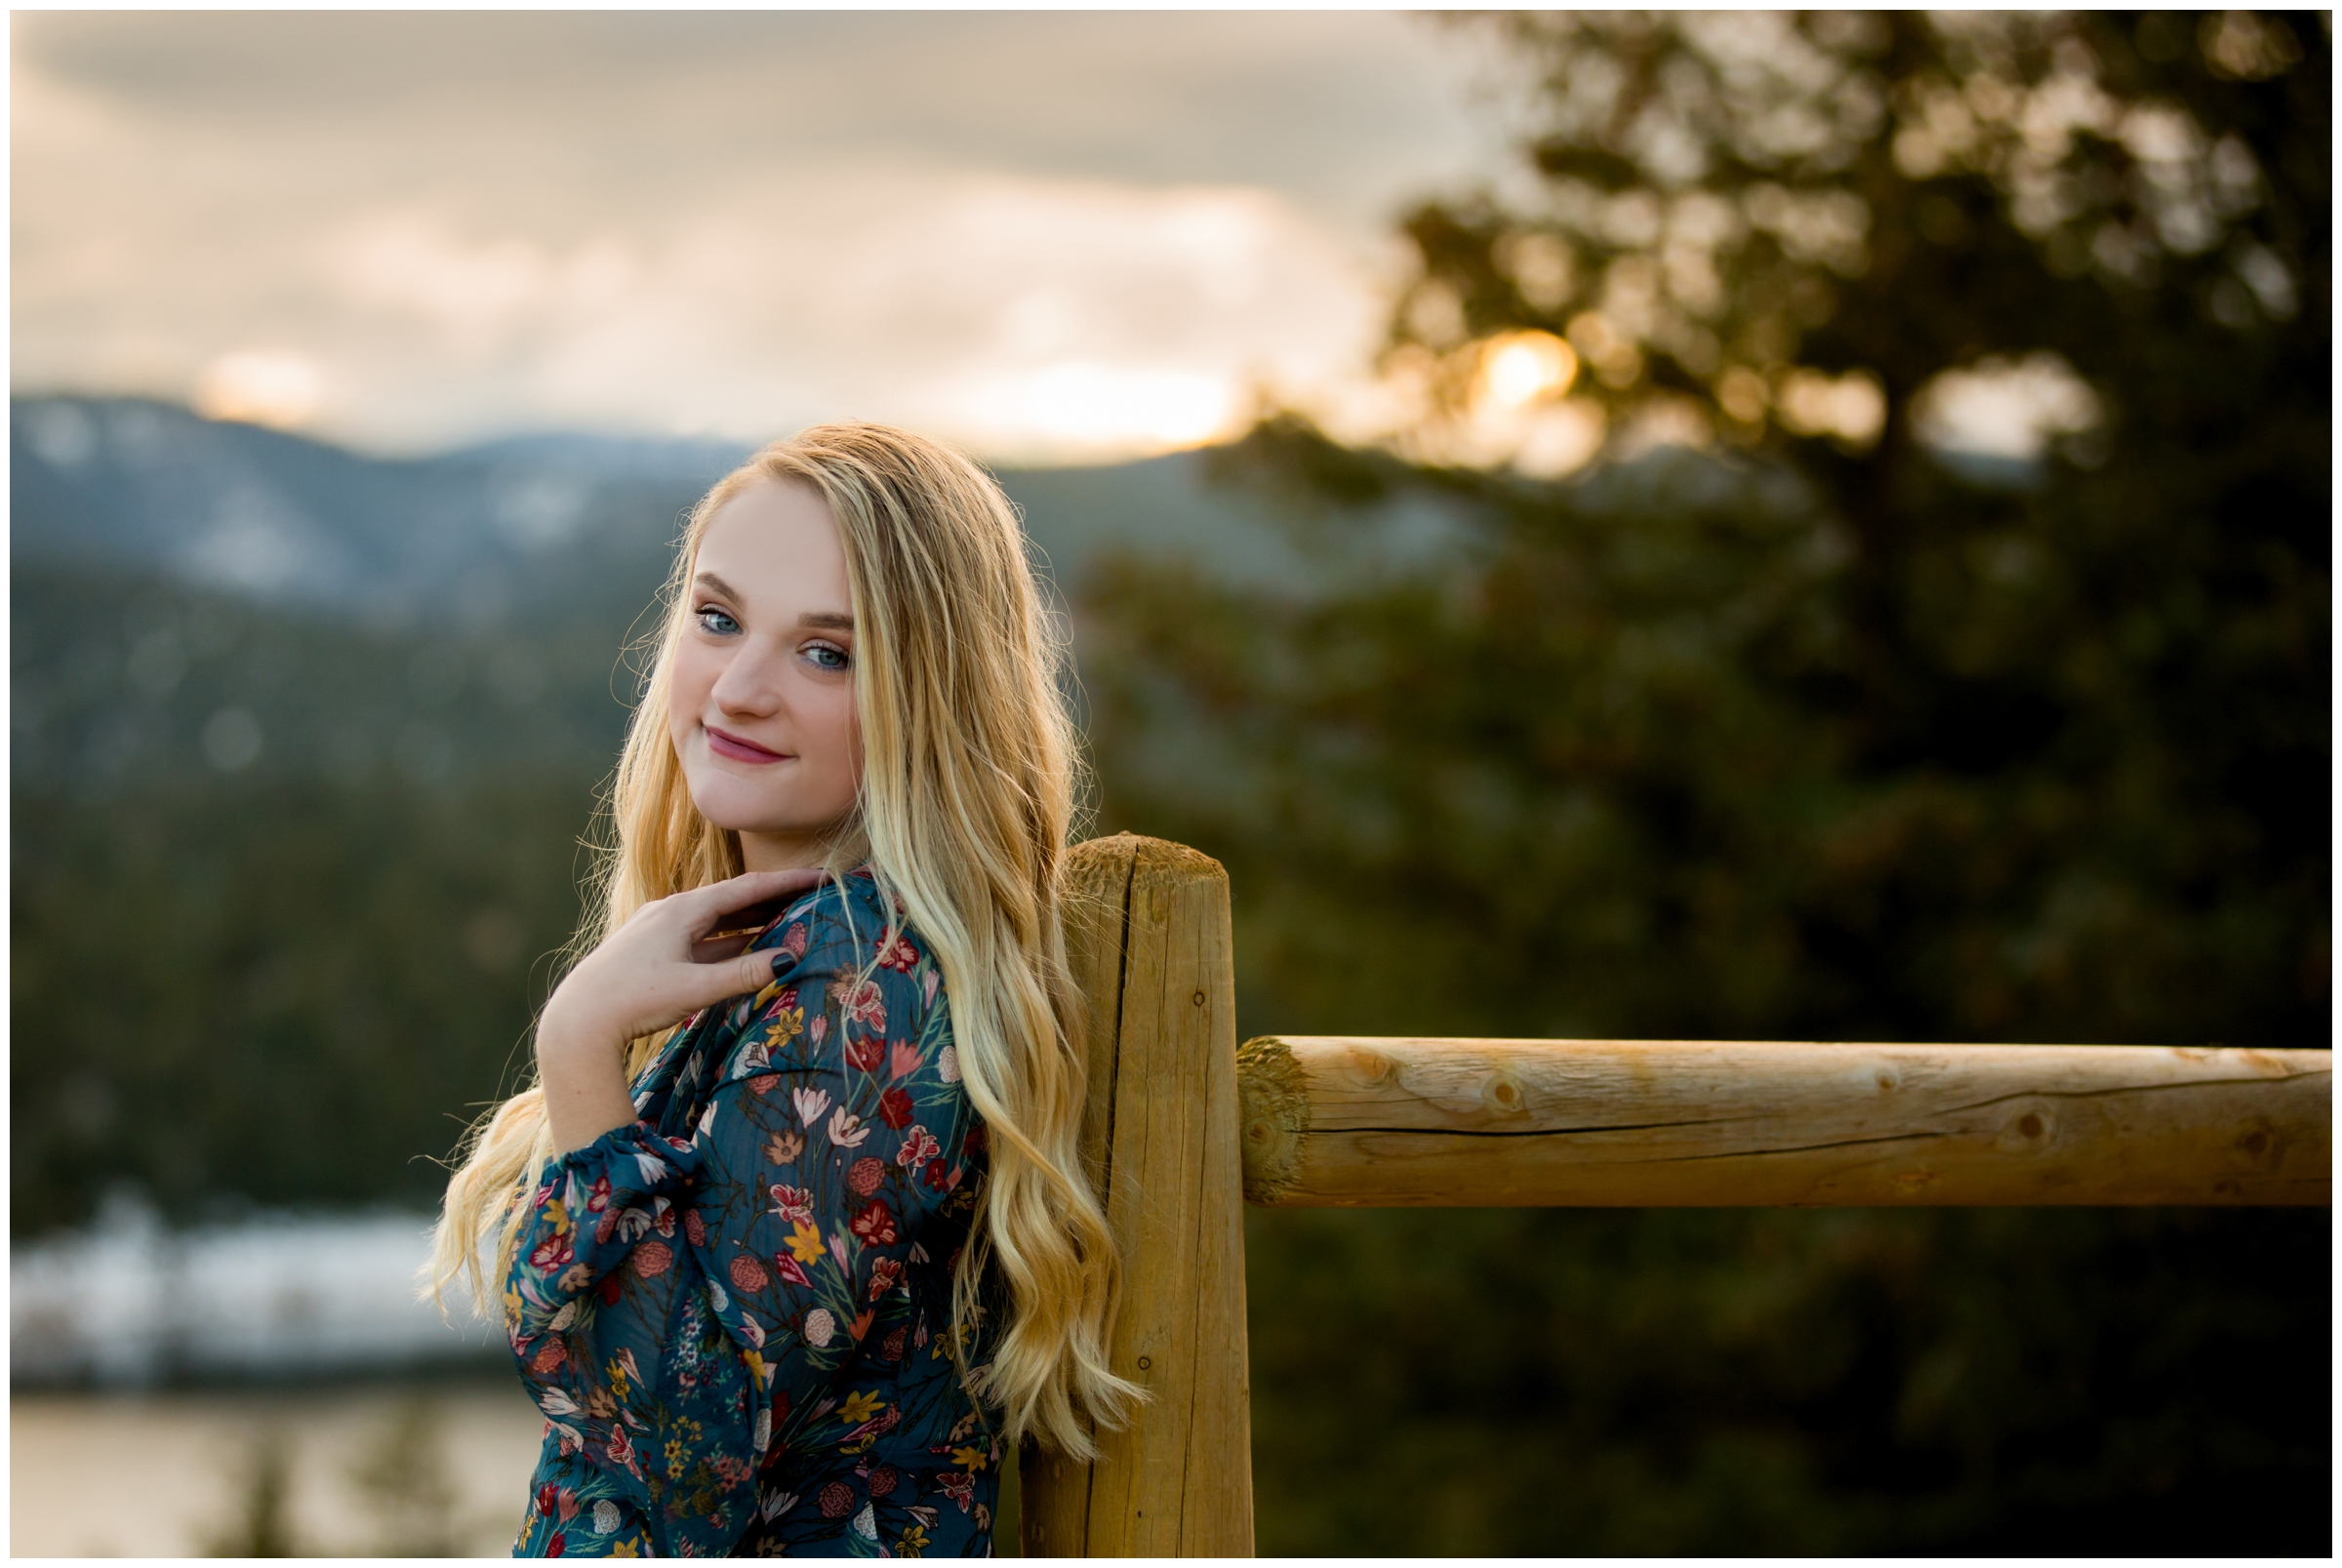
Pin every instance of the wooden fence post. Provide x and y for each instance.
(1147, 930)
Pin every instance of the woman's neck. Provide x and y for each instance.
(771, 852)
(786, 852)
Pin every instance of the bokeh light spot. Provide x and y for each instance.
(1521, 368)
(231, 740)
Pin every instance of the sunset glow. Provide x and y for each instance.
(1077, 237)
(259, 386)
(1106, 408)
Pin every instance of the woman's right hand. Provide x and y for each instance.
(641, 979)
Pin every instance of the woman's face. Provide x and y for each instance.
(760, 690)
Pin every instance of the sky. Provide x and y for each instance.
(1050, 237)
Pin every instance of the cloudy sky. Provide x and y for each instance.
(1054, 236)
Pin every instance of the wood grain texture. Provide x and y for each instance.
(1178, 1480)
(1366, 1122)
(1094, 893)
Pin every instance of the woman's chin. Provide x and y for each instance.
(750, 821)
(729, 810)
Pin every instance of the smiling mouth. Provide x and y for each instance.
(725, 745)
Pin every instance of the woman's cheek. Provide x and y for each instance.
(689, 679)
(845, 734)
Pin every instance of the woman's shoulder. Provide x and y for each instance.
(858, 987)
(846, 920)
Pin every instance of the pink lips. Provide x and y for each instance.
(738, 750)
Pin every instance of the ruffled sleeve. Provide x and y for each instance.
(594, 1207)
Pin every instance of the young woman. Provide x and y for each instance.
(795, 1234)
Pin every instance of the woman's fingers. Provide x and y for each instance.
(668, 961)
(699, 986)
(757, 970)
(715, 949)
(725, 902)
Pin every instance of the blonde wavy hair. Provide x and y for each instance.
(966, 801)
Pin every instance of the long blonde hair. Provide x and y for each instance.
(966, 801)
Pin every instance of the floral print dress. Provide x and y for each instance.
(736, 1312)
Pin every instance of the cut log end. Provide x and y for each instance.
(1274, 1112)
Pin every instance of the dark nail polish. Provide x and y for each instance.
(780, 963)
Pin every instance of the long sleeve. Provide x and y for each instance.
(691, 1303)
(594, 1208)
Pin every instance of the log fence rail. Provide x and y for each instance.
(1181, 1128)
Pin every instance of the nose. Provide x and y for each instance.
(751, 682)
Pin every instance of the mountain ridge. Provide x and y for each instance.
(465, 535)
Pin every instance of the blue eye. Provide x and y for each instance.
(718, 622)
(826, 657)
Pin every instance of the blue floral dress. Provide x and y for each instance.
(736, 1312)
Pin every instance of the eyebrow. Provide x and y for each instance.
(828, 620)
